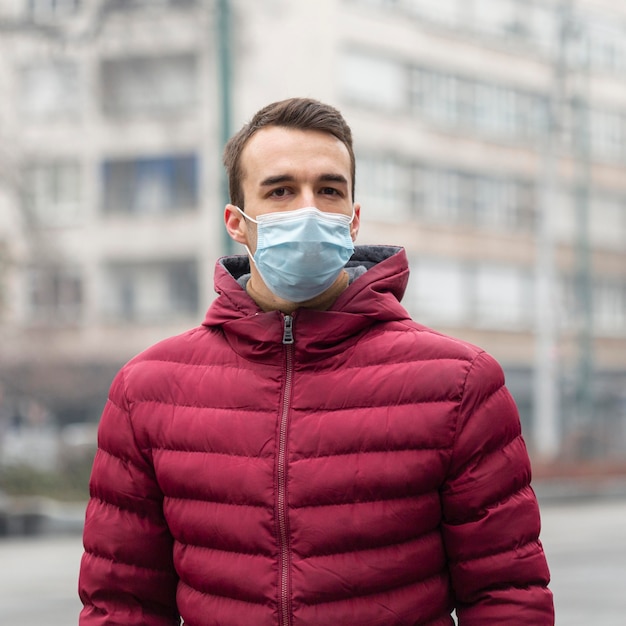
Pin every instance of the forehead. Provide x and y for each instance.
(276, 150)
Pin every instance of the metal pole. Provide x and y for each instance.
(224, 54)
(546, 376)
(584, 318)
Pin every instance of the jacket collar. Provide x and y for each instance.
(379, 275)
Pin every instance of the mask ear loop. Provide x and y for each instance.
(250, 255)
(246, 216)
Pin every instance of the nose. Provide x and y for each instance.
(308, 197)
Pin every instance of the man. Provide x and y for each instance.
(310, 455)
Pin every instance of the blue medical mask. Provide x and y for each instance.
(300, 253)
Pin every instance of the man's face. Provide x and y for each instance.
(286, 169)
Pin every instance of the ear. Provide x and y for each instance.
(235, 224)
(356, 222)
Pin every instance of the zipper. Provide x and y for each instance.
(288, 330)
(282, 513)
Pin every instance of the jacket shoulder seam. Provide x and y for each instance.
(460, 399)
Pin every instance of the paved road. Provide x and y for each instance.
(38, 581)
(586, 548)
(585, 544)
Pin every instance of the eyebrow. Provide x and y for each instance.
(287, 178)
(276, 180)
(334, 178)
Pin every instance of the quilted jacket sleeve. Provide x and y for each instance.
(491, 517)
(127, 576)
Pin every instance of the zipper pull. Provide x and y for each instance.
(288, 330)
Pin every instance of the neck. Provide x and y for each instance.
(267, 301)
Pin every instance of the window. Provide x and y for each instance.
(373, 81)
(383, 185)
(484, 107)
(607, 50)
(496, 204)
(545, 27)
(125, 5)
(143, 84)
(438, 291)
(519, 25)
(442, 11)
(531, 114)
(608, 226)
(607, 134)
(151, 291)
(530, 22)
(609, 311)
(466, 198)
(562, 215)
(503, 296)
(448, 291)
(52, 193)
(436, 95)
(442, 98)
(49, 89)
(54, 295)
(151, 185)
(394, 189)
(442, 196)
(52, 9)
(495, 109)
(526, 206)
(606, 218)
(380, 4)
(494, 16)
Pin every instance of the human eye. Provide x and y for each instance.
(279, 192)
(330, 191)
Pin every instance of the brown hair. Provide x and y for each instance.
(300, 113)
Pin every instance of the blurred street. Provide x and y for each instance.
(586, 548)
(38, 580)
(585, 543)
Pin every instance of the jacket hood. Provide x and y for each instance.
(379, 277)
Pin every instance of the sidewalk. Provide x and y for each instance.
(569, 481)
(34, 515)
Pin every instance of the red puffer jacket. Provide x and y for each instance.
(347, 467)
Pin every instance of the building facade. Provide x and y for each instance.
(489, 139)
